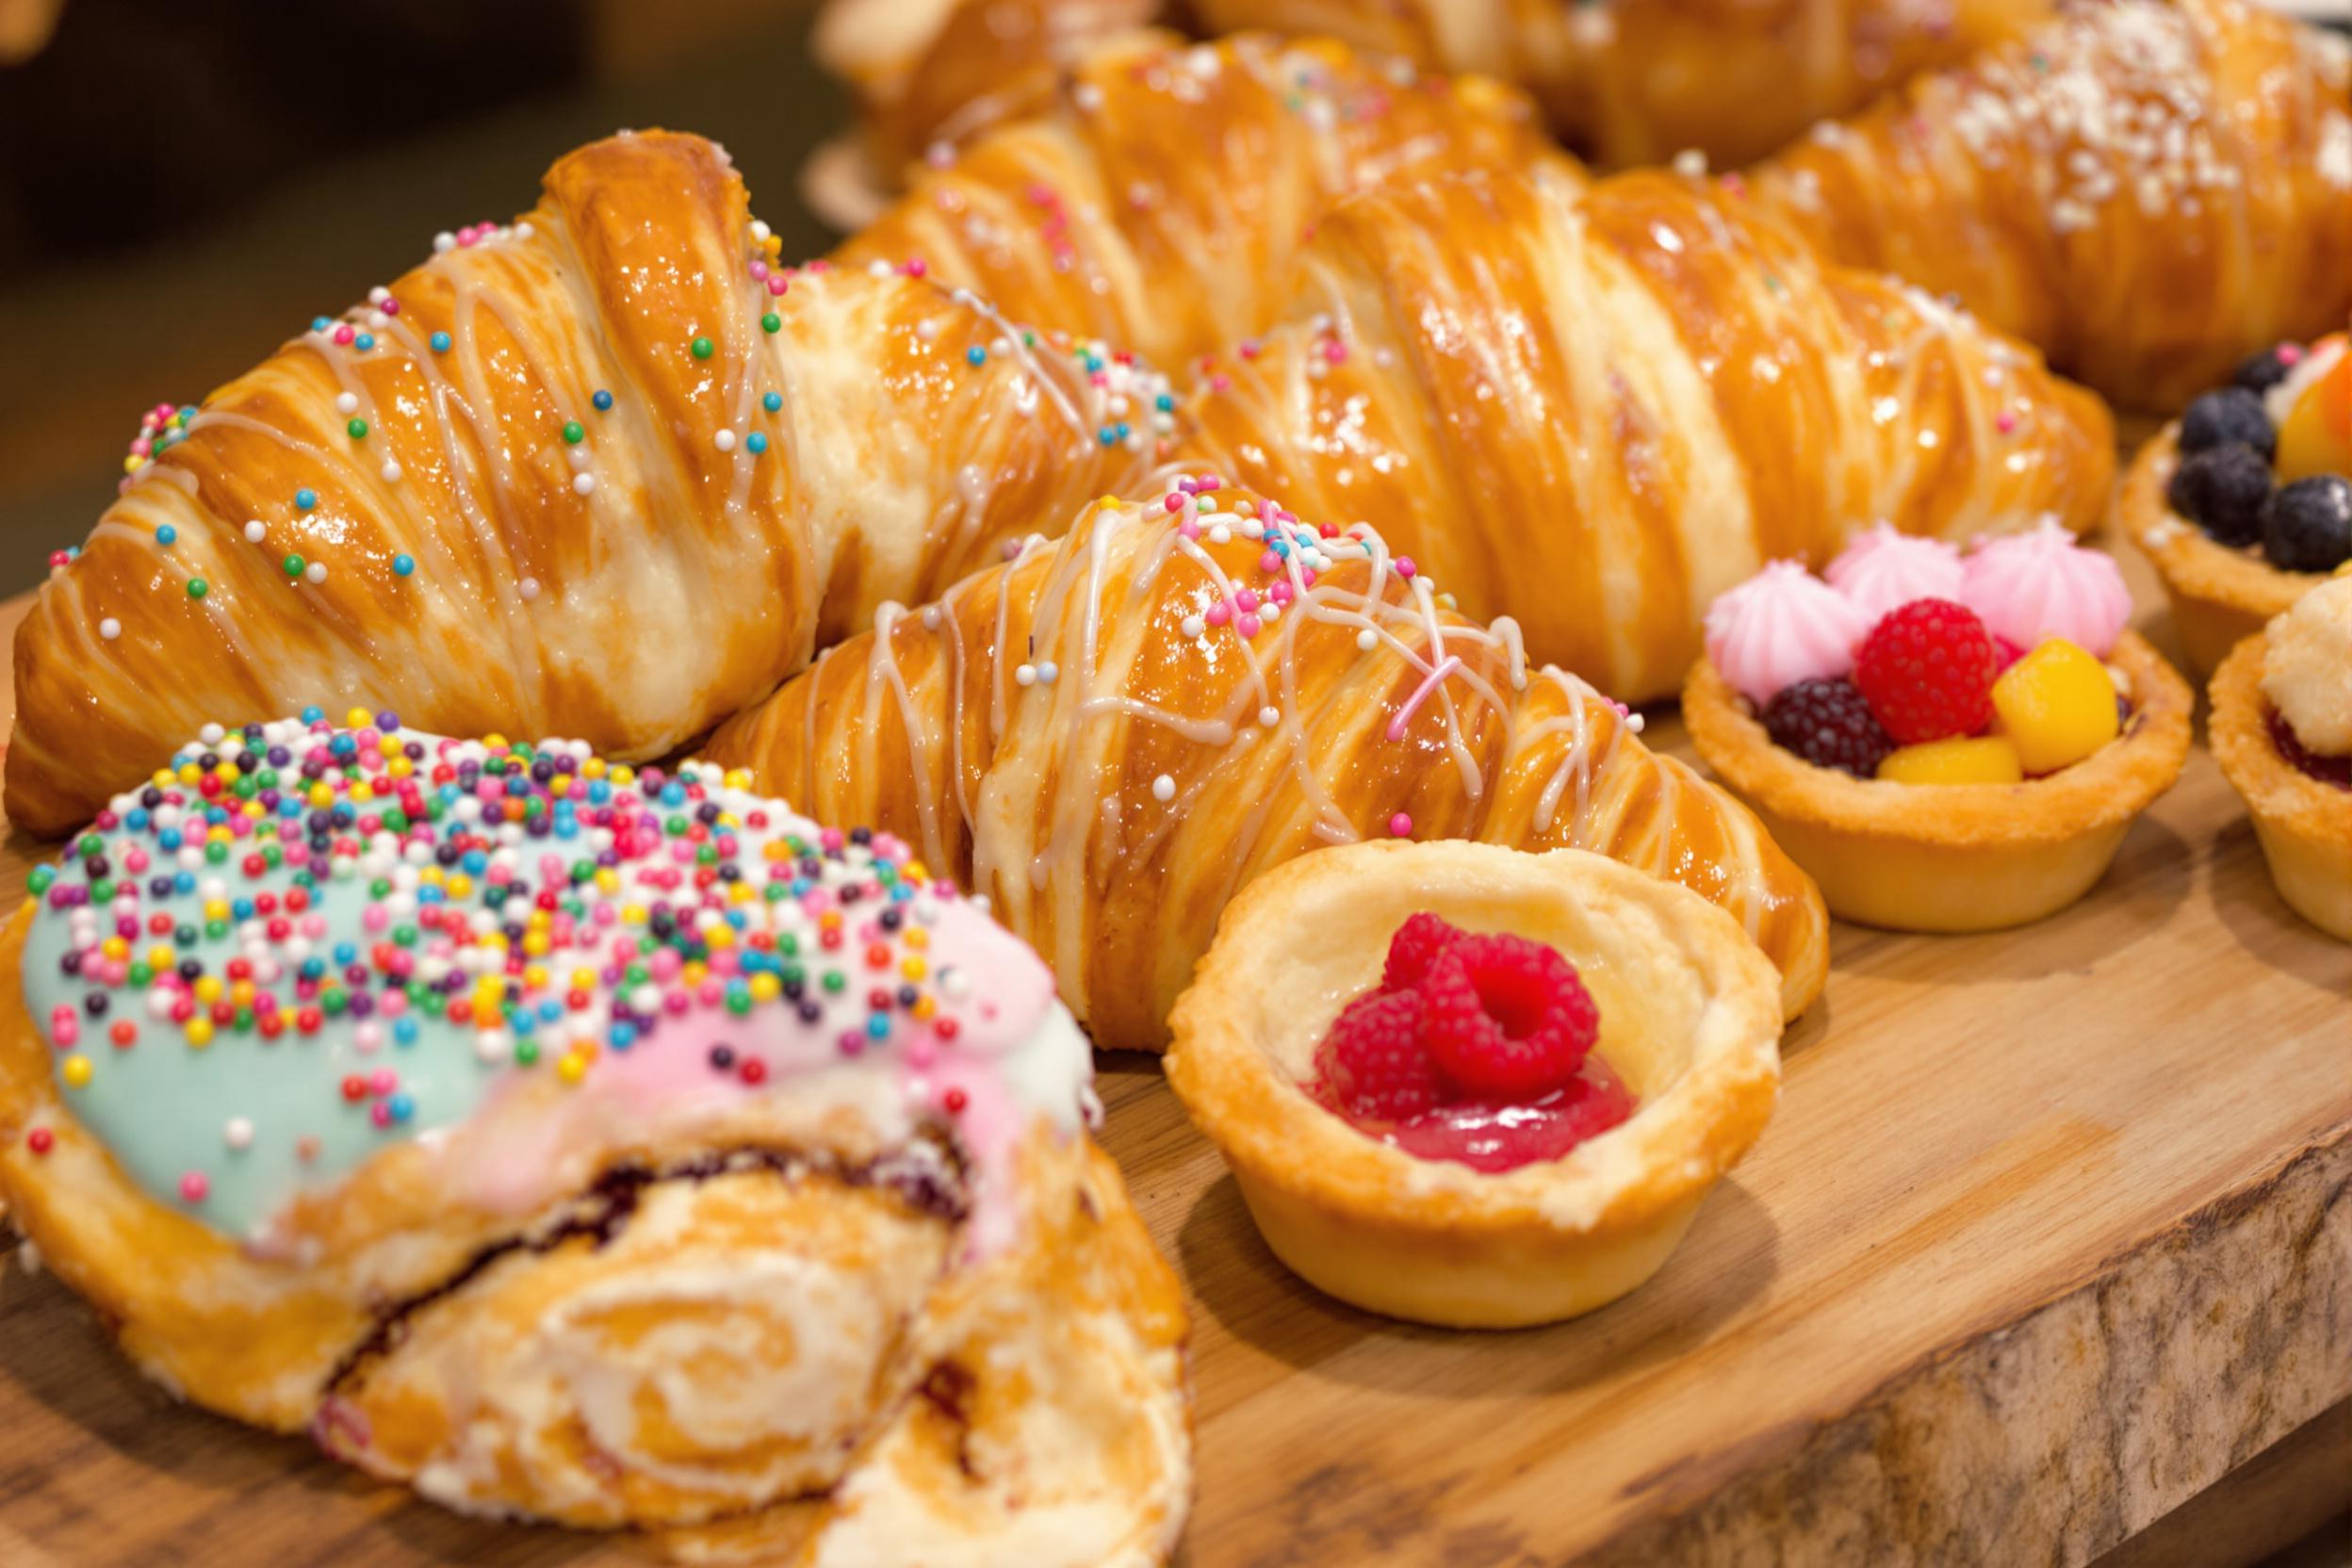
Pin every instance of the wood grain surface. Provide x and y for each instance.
(2051, 1232)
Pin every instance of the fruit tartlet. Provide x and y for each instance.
(2282, 729)
(1473, 1087)
(1946, 742)
(2246, 504)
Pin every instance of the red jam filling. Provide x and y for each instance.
(2327, 770)
(1474, 1048)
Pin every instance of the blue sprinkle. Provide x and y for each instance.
(402, 1107)
(975, 355)
(673, 794)
(475, 862)
(169, 838)
(1108, 435)
(184, 883)
(404, 564)
(1165, 402)
(242, 908)
(312, 969)
(320, 323)
(878, 1025)
(304, 499)
(364, 342)
(525, 1021)
(313, 713)
(772, 402)
(756, 443)
(603, 400)
(440, 342)
(166, 534)
(346, 953)
(623, 1035)
(135, 819)
(404, 1031)
(551, 1010)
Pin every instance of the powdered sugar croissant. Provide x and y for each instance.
(1594, 411)
(591, 1182)
(604, 473)
(1110, 736)
(1161, 201)
(2149, 191)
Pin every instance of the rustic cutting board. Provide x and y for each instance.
(2051, 1232)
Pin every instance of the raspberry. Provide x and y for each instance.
(1414, 948)
(1371, 1066)
(1506, 1019)
(1829, 725)
(1927, 669)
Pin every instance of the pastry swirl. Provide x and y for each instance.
(616, 1148)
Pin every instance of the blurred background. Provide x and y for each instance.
(184, 184)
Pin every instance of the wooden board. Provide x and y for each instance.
(2052, 1230)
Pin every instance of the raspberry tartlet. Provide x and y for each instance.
(2244, 504)
(1471, 1087)
(2282, 729)
(1945, 742)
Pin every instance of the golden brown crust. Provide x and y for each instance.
(1621, 402)
(1688, 1018)
(2305, 826)
(1952, 856)
(1161, 204)
(687, 579)
(2120, 155)
(2219, 595)
(922, 729)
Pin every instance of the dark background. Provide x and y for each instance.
(184, 185)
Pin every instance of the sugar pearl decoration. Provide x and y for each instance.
(1164, 789)
(110, 628)
(725, 441)
(528, 588)
(347, 403)
(239, 1134)
(255, 532)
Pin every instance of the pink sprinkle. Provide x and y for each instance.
(759, 269)
(1405, 569)
(1218, 614)
(915, 267)
(382, 1081)
(391, 308)
(1174, 502)
(1280, 593)
(1336, 351)
(1209, 483)
(1269, 562)
(1400, 826)
(1247, 625)
(2289, 353)
(68, 1030)
(194, 1187)
(778, 284)
(1188, 529)
(344, 332)
(141, 447)
(380, 1113)
(1249, 348)
(376, 917)
(1220, 382)
(1245, 601)
(2004, 421)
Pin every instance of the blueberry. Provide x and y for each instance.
(2230, 414)
(2262, 372)
(2308, 525)
(2223, 491)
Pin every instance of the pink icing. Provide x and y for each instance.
(1782, 625)
(2029, 586)
(1885, 570)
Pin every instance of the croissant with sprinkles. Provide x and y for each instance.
(1112, 734)
(2149, 191)
(1161, 200)
(607, 472)
(1615, 404)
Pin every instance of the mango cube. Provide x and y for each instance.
(2315, 437)
(2055, 706)
(1981, 759)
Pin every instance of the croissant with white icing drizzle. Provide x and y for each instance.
(1114, 733)
(608, 472)
(1612, 405)
(2151, 191)
(613, 1149)
(1161, 200)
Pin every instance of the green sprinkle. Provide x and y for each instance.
(700, 348)
(574, 431)
(198, 587)
(358, 429)
(294, 564)
(771, 323)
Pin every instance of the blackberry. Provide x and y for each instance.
(2260, 372)
(1829, 724)
(2308, 525)
(2223, 490)
(2218, 418)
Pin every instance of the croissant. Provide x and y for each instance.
(1604, 412)
(940, 71)
(1111, 735)
(1162, 202)
(1627, 81)
(2149, 191)
(1639, 81)
(604, 473)
(591, 1182)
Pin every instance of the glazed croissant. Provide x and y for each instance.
(581, 1187)
(1112, 734)
(1162, 202)
(2151, 191)
(1602, 412)
(605, 473)
(1638, 81)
